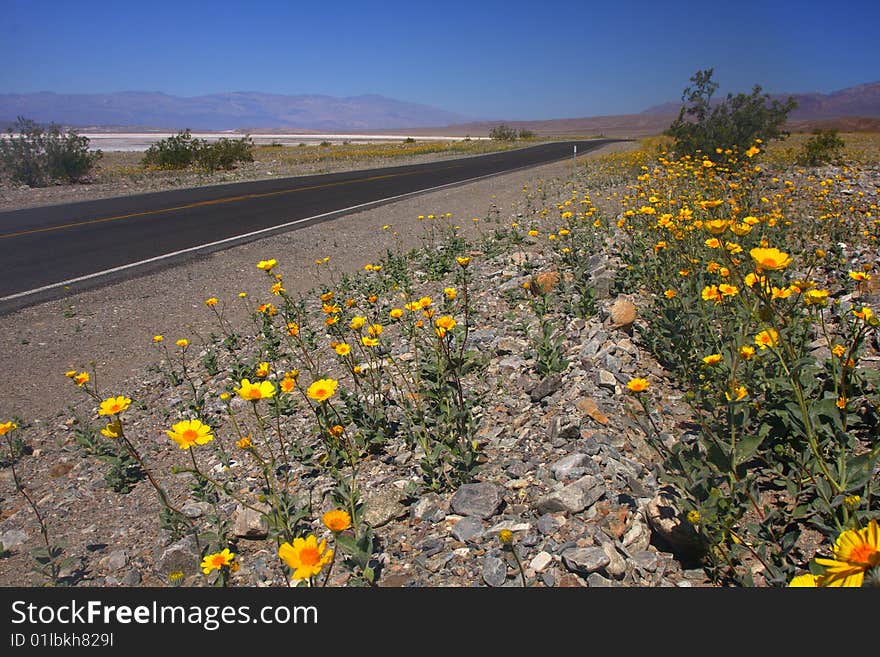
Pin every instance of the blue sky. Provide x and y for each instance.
(483, 59)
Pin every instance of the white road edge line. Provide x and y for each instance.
(247, 236)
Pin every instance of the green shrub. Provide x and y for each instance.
(526, 134)
(183, 150)
(503, 132)
(703, 126)
(823, 147)
(38, 158)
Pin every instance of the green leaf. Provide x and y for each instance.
(859, 469)
(746, 446)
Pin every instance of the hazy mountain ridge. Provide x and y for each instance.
(860, 100)
(223, 111)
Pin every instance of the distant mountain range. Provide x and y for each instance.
(861, 100)
(225, 111)
(249, 111)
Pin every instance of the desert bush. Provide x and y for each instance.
(823, 147)
(503, 132)
(183, 150)
(526, 134)
(39, 157)
(732, 125)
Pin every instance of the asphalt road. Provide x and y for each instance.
(85, 244)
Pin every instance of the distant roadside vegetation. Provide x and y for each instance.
(36, 156)
(183, 150)
(504, 132)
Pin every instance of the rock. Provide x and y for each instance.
(607, 380)
(468, 529)
(181, 556)
(588, 407)
(570, 466)
(585, 560)
(540, 562)
(638, 536)
(117, 560)
(545, 388)
(249, 524)
(646, 560)
(483, 500)
(13, 538)
(563, 429)
(548, 523)
(546, 281)
(597, 581)
(623, 313)
(132, 577)
(508, 345)
(616, 567)
(573, 498)
(429, 508)
(193, 509)
(667, 522)
(494, 571)
(384, 506)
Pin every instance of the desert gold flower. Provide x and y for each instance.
(327, 296)
(425, 302)
(712, 359)
(6, 427)
(372, 298)
(268, 309)
(505, 537)
(854, 552)
(711, 293)
(158, 338)
(533, 233)
(336, 430)
(713, 243)
(852, 501)
(413, 306)
(277, 289)
(638, 385)
(716, 226)
(114, 405)
(816, 297)
(770, 259)
(375, 330)
(463, 261)
(182, 343)
(739, 393)
(336, 520)
(728, 290)
(262, 370)
(369, 342)
(266, 265)
(244, 443)
(670, 294)
(255, 391)
(322, 389)
(450, 293)
(693, 517)
(838, 350)
(746, 351)
(859, 276)
(865, 313)
(112, 430)
(217, 560)
(767, 338)
(807, 580)
(306, 557)
(445, 322)
(70, 374)
(292, 328)
(751, 152)
(81, 379)
(190, 432)
(357, 322)
(211, 302)
(287, 384)
(330, 309)
(395, 313)
(342, 349)
(841, 402)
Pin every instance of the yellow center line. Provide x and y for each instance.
(228, 199)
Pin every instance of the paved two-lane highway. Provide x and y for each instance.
(84, 244)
